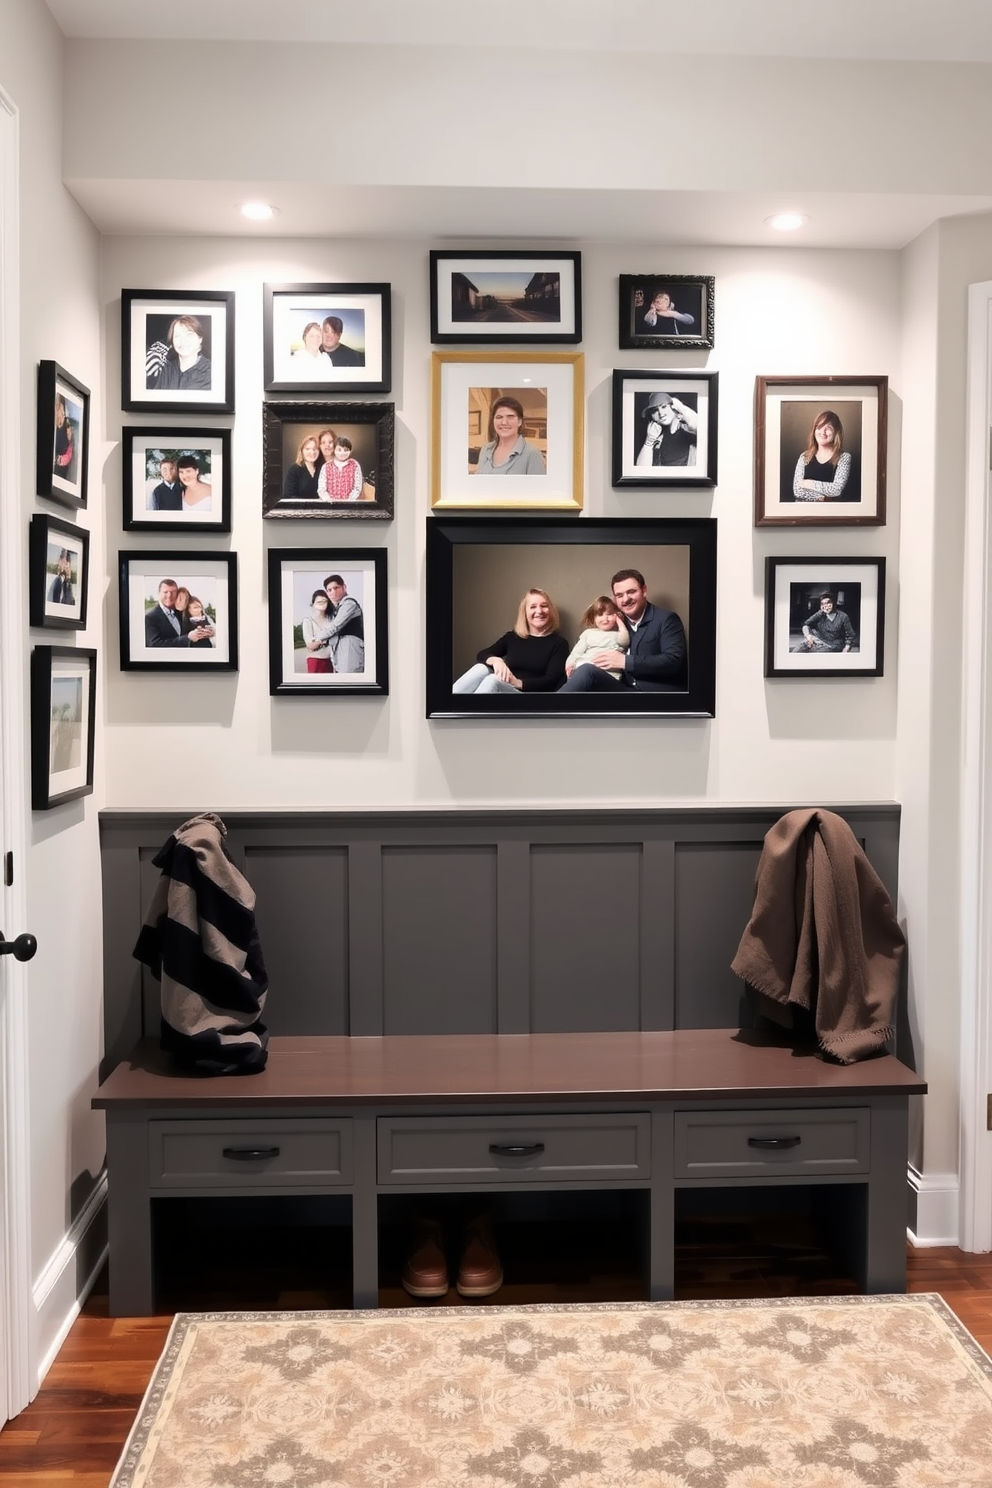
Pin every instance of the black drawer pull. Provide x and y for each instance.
(516, 1149)
(773, 1144)
(250, 1154)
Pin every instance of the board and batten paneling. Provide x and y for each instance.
(426, 922)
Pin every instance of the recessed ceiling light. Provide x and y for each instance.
(257, 211)
(787, 221)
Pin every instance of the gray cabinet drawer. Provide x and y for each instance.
(261, 1155)
(513, 1149)
(747, 1144)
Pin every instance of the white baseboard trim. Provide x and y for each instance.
(934, 1208)
(68, 1278)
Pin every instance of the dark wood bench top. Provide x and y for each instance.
(688, 1064)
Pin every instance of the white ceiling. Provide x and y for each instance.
(886, 30)
(902, 30)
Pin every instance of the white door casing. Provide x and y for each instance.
(18, 1379)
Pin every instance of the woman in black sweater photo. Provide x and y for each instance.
(529, 658)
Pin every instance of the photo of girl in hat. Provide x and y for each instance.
(669, 429)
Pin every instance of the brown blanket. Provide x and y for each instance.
(823, 934)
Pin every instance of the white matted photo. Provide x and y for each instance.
(824, 617)
(327, 336)
(507, 430)
(177, 351)
(664, 428)
(327, 621)
(505, 296)
(63, 724)
(178, 611)
(176, 480)
(58, 573)
(820, 451)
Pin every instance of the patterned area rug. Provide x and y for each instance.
(864, 1392)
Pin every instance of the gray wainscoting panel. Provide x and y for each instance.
(301, 910)
(475, 921)
(440, 939)
(585, 937)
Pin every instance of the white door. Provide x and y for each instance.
(16, 1385)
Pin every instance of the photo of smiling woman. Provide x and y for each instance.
(178, 361)
(529, 658)
(827, 467)
(507, 451)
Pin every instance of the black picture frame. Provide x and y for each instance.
(152, 648)
(362, 360)
(145, 450)
(679, 398)
(370, 427)
(152, 380)
(63, 442)
(295, 575)
(63, 724)
(58, 573)
(479, 567)
(793, 590)
(505, 297)
(787, 414)
(688, 295)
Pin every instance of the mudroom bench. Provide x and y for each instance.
(371, 1117)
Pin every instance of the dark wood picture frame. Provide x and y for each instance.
(58, 573)
(152, 380)
(371, 426)
(363, 349)
(295, 574)
(63, 442)
(644, 324)
(63, 724)
(787, 411)
(156, 648)
(479, 567)
(677, 397)
(478, 298)
(152, 445)
(793, 590)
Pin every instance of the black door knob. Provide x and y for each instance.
(22, 949)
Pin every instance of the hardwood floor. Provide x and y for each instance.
(72, 1435)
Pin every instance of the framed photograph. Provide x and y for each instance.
(492, 581)
(63, 435)
(664, 428)
(321, 338)
(176, 480)
(661, 311)
(63, 724)
(328, 622)
(177, 350)
(824, 617)
(178, 611)
(819, 451)
(506, 430)
(328, 460)
(58, 573)
(505, 298)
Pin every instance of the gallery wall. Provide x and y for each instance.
(805, 312)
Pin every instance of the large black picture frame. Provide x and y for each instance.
(479, 567)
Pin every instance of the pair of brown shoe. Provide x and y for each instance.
(425, 1273)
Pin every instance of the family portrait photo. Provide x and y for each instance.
(328, 460)
(177, 479)
(820, 451)
(824, 617)
(591, 617)
(63, 435)
(666, 310)
(506, 430)
(178, 610)
(319, 336)
(327, 621)
(664, 428)
(177, 351)
(58, 576)
(509, 297)
(63, 724)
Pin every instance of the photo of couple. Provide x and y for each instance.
(178, 619)
(329, 628)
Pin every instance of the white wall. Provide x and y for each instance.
(59, 319)
(218, 741)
